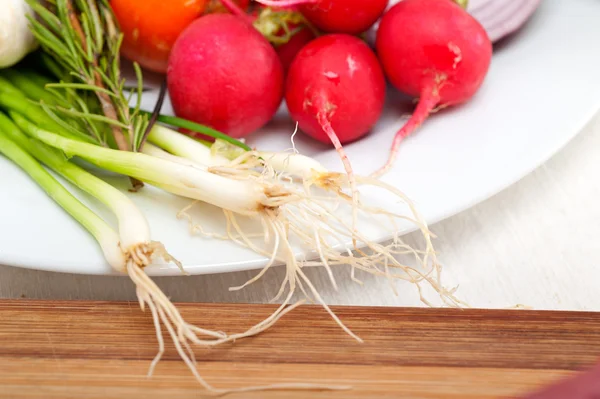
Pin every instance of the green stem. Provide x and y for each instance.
(133, 226)
(102, 232)
(13, 99)
(36, 87)
(30, 87)
(243, 197)
(196, 127)
(132, 164)
(38, 79)
(179, 144)
(54, 159)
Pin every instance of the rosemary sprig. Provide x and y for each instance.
(83, 39)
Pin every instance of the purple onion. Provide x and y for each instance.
(500, 18)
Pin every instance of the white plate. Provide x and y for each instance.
(542, 88)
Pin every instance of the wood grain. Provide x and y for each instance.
(54, 349)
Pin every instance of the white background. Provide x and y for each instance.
(536, 244)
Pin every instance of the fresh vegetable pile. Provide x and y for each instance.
(229, 66)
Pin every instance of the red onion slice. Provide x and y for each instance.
(500, 18)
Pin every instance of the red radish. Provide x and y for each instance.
(337, 16)
(335, 90)
(335, 83)
(287, 52)
(432, 49)
(223, 73)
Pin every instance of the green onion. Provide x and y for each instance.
(102, 232)
(244, 197)
(133, 227)
(196, 127)
(13, 98)
(131, 260)
(182, 145)
(26, 82)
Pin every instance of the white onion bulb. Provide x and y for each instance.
(16, 40)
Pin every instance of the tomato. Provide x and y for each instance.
(215, 6)
(150, 27)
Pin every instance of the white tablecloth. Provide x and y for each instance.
(536, 243)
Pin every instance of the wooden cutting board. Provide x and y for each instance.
(74, 349)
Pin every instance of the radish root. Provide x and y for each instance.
(300, 211)
(427, 104)
(326, 126)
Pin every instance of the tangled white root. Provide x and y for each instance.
(294, 218)
(295, 213)
(183, 334)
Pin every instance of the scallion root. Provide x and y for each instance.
(184, 335)
(308, 215)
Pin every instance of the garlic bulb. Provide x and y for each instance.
(16, 40)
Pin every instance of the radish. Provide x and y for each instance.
(335, 85)
(223, 73)
(287, 51)
(337, 16)
(435, 50)
(335, 90)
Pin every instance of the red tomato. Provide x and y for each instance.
(150, 27)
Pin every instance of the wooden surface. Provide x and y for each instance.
(79, 349)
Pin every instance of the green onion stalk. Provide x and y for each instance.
(106, 237)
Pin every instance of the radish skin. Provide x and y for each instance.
(337, 16)
(288, 51)
(338, 76)
(434, 50)
(224, 74)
